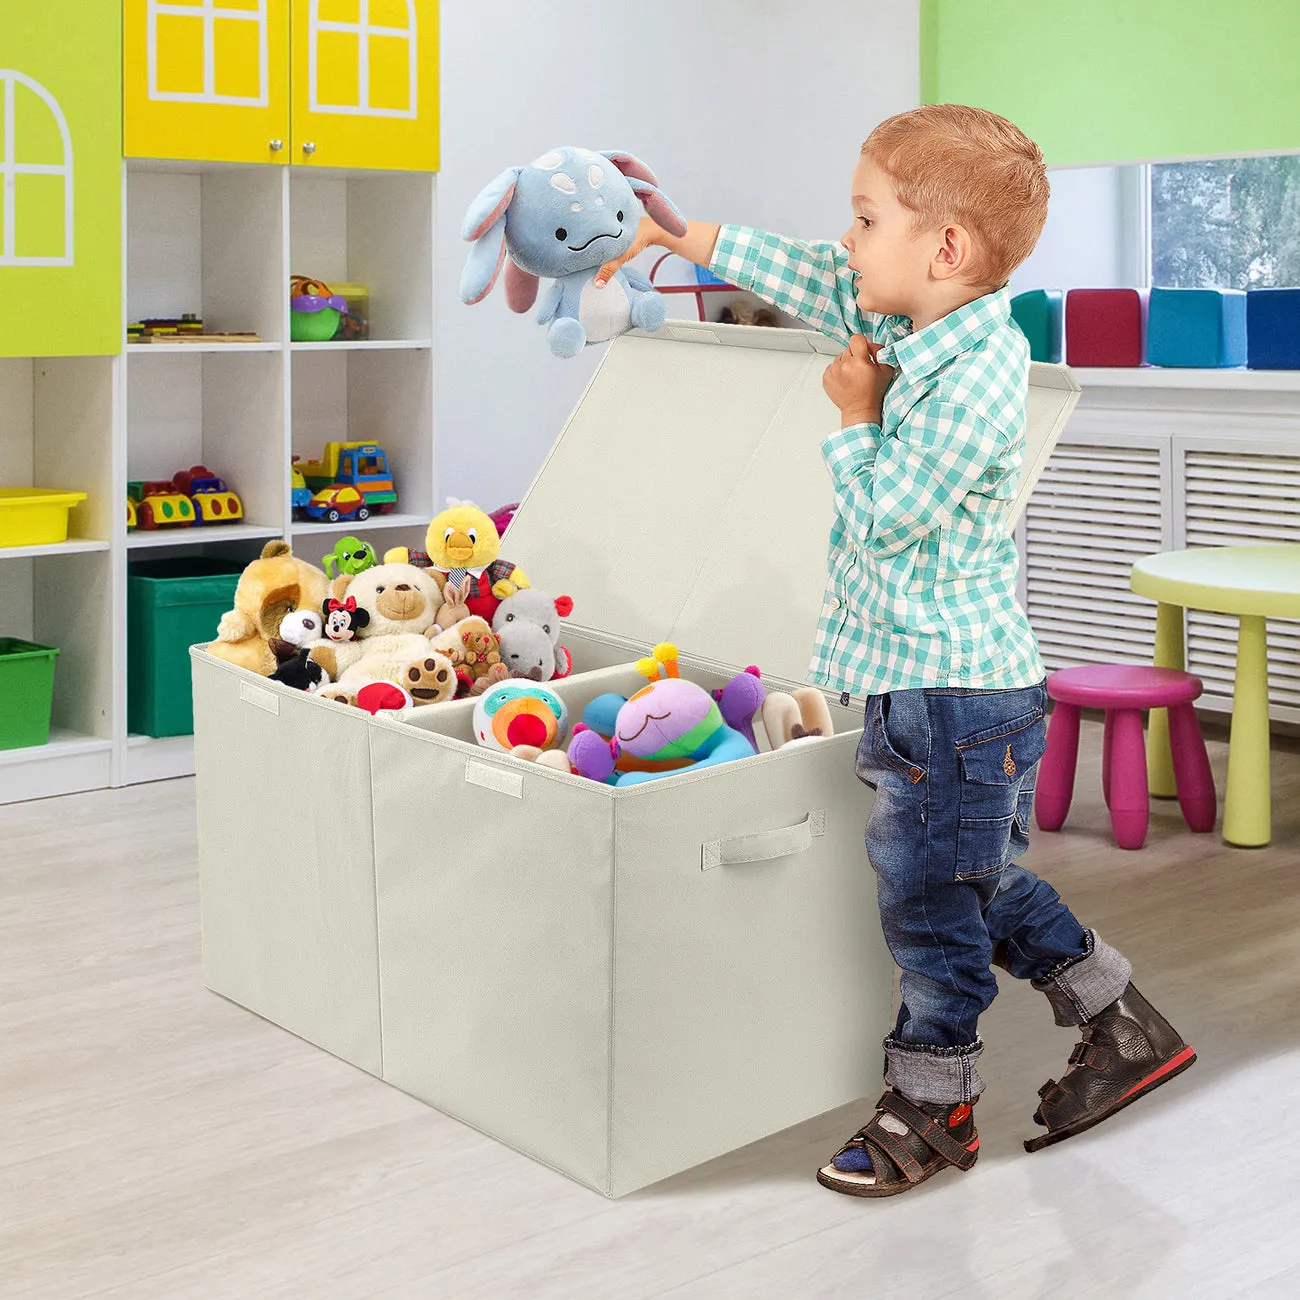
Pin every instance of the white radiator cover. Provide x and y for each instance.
(1132, 477)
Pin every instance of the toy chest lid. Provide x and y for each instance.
(686, 498)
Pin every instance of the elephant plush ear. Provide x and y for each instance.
(485, 227)
(521, 286)
(659, 207)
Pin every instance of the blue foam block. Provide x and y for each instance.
(1273, 326)
(1197, 327)
(1038, 313)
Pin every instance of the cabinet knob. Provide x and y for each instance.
(277, 145)
(308, 147)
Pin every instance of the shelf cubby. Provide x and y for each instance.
(210, 242)
(56, 431)
(383, 396)
(65, 602)
(375, 230)
(223, 412)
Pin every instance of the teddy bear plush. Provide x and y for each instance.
(428, 679)
(473, 647)
(400, 604)
(273, 586)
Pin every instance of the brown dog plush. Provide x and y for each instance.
(276, 584)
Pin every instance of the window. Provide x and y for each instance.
(363, 58)
(208, 51)
(36, 226)
(1231, 223)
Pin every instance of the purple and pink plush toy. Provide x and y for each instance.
(669, 725)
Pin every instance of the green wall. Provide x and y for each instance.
(1102, 81)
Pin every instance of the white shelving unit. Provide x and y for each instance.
(221, 241)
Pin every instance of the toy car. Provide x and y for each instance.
(335, 503)
(159, 505)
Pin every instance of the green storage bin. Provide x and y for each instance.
(171, 605)
(26, 692)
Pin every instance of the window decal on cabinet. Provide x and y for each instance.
(344, 83)
(208, 52)
(11, 169)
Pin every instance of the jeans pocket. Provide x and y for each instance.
(998, 767)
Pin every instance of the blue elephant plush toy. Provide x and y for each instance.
(564, 216)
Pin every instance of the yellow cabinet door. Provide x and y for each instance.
(60, 179)
(207, 79)
(365, 83)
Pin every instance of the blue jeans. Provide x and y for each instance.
(954, 769)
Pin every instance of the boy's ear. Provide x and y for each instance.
(953, 255)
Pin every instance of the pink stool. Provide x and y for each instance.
(1124, 690)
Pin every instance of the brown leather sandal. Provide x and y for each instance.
(1128, 1050)
(904, 1143)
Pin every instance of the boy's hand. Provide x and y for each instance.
(856, 383)
(648, 232)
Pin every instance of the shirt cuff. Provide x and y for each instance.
(848, 450)
(735, 256)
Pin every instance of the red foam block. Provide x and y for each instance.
(1105, 327)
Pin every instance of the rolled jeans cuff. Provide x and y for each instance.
(1082, 987)
(944, 1076)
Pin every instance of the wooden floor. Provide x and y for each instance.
(158, 1141)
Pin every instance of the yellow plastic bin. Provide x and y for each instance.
(35, 516)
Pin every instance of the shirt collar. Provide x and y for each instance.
(919, 354)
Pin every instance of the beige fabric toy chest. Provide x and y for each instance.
(621, 983)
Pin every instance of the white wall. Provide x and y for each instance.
(749, 111)
(1090, 239)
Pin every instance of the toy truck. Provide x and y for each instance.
(350, 481)
(299, 492)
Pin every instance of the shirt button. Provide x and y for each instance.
(835, 604)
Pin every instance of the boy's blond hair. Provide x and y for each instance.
(951, 162)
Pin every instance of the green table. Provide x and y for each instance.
(1254, 583)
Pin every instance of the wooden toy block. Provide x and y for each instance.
(1197, 327)
(1273, 329)
(1105, 327)
(1038, 313)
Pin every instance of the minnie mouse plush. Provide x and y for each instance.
(343, 620)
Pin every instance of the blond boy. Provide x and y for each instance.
(920, 615)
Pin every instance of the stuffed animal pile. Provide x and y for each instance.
(669, 725)
(418, 629)
(415, 630)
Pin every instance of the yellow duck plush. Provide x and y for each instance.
(463, 542)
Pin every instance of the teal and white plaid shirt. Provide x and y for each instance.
(922, 563)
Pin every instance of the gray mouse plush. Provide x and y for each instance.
(528, 626)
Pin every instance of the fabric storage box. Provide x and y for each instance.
(1039, 316)
(1197, 327)
(1273, 329)
(619, 982)
(170, 604)
(1105, 327)
(288, 884)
